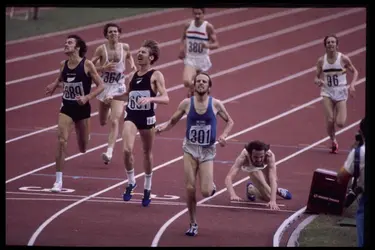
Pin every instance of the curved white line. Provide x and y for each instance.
(293, 239)
(175, 217)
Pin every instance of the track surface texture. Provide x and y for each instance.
(263, 72)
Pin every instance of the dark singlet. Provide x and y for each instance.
(201, 128)
(140, 86)
(76, 83)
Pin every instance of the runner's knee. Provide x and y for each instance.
(190, 188)
(63, 142)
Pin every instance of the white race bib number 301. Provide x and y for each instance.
(200, 135)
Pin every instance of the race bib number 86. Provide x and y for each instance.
(200, 135)
(72, 90)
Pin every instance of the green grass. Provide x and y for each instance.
(325, 231)
(66, 18)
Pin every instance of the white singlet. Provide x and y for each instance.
(335, 84)
(114, 81)
(196, 55)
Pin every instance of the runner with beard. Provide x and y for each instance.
(199, 142)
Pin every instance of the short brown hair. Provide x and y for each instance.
(106, 27)
(154, 50)
(334, 36)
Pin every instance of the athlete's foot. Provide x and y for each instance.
(57, 187)
(334, 147)
(250, 196)
(284, 193)
(146, 200)
(106, 157)
(128, 194)
(214, 189)
(193, 230)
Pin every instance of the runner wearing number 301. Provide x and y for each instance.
(199, 143)
(76, 74)
(334, 90)
(199, 37)
(111, 56)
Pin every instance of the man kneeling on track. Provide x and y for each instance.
(259, 162)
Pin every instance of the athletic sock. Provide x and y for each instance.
(59, 177)
(131, 178)
(147, 184)
(109, 151)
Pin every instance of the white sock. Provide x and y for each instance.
(59, 177)
(131, 178)
(109, 151)
(148, 178)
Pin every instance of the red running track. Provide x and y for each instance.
(105, 220)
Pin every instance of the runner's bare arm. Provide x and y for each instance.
(129, 56)
(233, 171)
(349, 65)
(91, 70)
(182, 42)
(176, 117)
(214, 43)
(96, 59)
(158, 78)
(223, 113)
(272, 174)
(318, 72)
(58, 82)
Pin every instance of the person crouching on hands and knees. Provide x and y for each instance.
(258, 161)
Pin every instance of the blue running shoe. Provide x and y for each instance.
(193, 230)
(129, 192)
(284, 193)
(250, 196)
(146, 200)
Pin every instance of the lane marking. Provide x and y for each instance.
(160, 232)
(224, 101)
(230, 27)
(176, 216)
(126, 35)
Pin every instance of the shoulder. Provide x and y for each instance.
(125, 46)
(88, 64)
(345, 58)
(320, 60)
(156, 74)
(210, 26)
(216, 101)
(62, 63)
(131, 75)
(187, 24)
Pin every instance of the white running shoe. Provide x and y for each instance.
(106, 158)
(57, 186)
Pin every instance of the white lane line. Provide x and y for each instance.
(230, 27)
(125, 35)
(160, 232)
(220, 73)
(175, 217)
